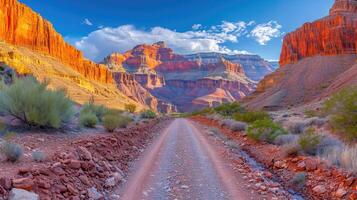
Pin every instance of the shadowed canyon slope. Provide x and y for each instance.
(316, 60)
(189, 82)
(47, 55)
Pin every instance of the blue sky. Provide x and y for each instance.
(230, 26)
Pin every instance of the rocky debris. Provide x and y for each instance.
(87, 168)
(20, 194)
(319, 189)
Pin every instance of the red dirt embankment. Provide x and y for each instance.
(323, 181)
(85, 167)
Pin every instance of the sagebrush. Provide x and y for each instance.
(32, 103)
(265, 130)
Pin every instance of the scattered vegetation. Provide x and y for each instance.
(286, 139)
(345, 157)
(291, 149)
(299, 180)
(12, 151)
(88, 119)
(97, 110)
(148, 114)
(309, 141)
(265, 130)
(38, 156)
(311, 113)
(297, 127)
(228, 109)
(130, 107)
(114, 119)
(342, 108)
(251, 117)
(32, 103)
(234, 125)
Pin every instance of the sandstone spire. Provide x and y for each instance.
(344, 6)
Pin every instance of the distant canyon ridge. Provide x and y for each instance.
(189, 82)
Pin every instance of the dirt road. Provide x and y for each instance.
(183, 164)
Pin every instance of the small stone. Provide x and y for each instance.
(75, 164)
(84, 179)
(94, 194)
(184, 187)
(301, 166)
(341, 192)
(319, 189)
(279, 164)
(71, 189)
(43, 184)
(110, 182)
(20, 194)
(23, 183)
(311, 164)
(84, 153)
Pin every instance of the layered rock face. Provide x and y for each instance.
(21, 26)
(181, 81)
(317, 60)
(332, 35)
(254, 66)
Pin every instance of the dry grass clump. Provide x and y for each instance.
(345, 157)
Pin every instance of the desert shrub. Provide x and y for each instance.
(285, 139)
(345, 157)
(97, 110)
(130, 107)
(299, 180)
(291, 149)
(113, 120)
(38, 156)
(250, 117)
(342, 109)
(297, 127)
(148, 114)
(309, 141)
(88, 119)
(327, 143)
(234, 125)
(311, 113)
(12, 151)
(228, 109)
(265, 130)
(32, 103)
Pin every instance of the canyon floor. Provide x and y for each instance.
(187, 162)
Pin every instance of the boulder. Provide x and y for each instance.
(20, 194)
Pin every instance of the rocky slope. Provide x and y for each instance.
(254, 66)
(316, 60)
(31, 45)
(188, 84)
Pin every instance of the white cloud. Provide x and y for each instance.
(104, 41)
(263, 33)
(196, 26)
(86, 21)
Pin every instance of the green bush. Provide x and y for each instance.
(88, 119)
(342, 108)
(130, 107)
(309, 141)
(250, 117)
(97, 110)
(33, 104)
(228, 109)
(311, 113)
(12, 151)
(114, 121)
(265, 130)
(148, 114)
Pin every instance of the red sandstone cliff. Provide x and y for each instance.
(332, 35)
(316, 61)
(19, 25)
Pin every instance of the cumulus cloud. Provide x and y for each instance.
(196, 26)
(87, 22)
(263, 33)
(106, 40)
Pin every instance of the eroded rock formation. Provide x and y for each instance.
(333, 35)
(317, 60)
(21, 26)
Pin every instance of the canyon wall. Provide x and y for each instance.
(21, 26)
(333, 35)
(316, 61)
